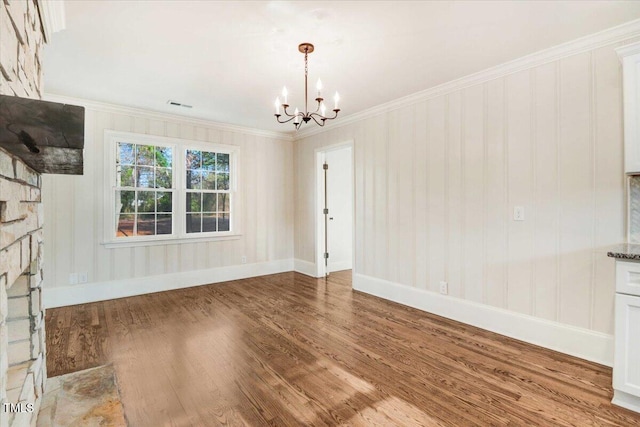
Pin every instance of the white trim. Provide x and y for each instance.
(133, 243)
(626, 400)
(607, 37)
(101, 291)
(157, 115)
(318, 154)
(628, 50)
(304, 267)
(579, 342)
(52, 16)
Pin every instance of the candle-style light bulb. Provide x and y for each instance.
(297, 119)
(284, 94)
(277, 105)
(319, 87)
(323, 109)
(336, 98)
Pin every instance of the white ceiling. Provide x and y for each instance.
(230, 59)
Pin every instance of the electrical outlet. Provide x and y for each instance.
(444, 288)
(518, 213)
(83, 277)
(243, 259)
(73, 278)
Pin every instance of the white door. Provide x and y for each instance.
(626, 365)
(340, 205)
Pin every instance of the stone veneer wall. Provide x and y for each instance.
(22, 335)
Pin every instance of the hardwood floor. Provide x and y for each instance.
(287, 349)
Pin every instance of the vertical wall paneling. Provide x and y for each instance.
(496, 193)
(381, 186)
(473, 192)
(435, 211)
(609, 178)
(75, 214)
(420, 211)
(438, 180)
(519, 190)
(454, 191)
(546, 198)
(575, 189)
(394, 156)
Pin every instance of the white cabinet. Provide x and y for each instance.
(626, 364)
(630, 57)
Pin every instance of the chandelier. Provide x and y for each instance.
(319, 115)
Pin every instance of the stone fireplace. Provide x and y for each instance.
(22, 336)
(25, 153)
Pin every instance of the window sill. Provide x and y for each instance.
(170, 241)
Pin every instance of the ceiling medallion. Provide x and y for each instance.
(298, 117)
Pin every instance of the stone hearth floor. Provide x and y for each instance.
(85, 398)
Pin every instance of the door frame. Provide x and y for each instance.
(319, 204)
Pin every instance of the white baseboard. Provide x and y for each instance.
(304, 267)
(583, 343)
(626, 400)
(100, 291)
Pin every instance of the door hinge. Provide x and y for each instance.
(325, 166)
(326, 255)
(325, 211)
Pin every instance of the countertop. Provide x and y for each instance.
(625, 251)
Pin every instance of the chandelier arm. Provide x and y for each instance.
(284, 121)
(284, 109)
(313, 116)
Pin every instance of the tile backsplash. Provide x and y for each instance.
(634, 209)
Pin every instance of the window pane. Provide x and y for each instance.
(163, 178)
(194, 202)
(163, 201)
(125, 176)
(125, 201)
(223, 181)
(124, 227)
(164, 157)
(223, 221)
(223, 202)
(144, 176)
(193, 159)
(163, 224)
(209, 222)
(126, 153)
(144, 155)
(193, 223)
(194, 179)
(208, 161)
(209, 202)
(222, 162)
(208, 180)
(146, 201)
(146, 225)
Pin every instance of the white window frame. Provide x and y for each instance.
(179, 211)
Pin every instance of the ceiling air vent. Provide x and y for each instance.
(178, 104)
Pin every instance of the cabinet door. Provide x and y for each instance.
(631, 94)
(626, 365)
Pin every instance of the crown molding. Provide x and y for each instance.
(593, 41)
(628, 49)
(52, 17)
(120, 109)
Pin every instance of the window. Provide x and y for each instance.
(167, 189)
(208, 196)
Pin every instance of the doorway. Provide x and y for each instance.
(334, 202)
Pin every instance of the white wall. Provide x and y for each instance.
(74, 213)
(437, 180)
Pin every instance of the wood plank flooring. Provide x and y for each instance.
(287, 349)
